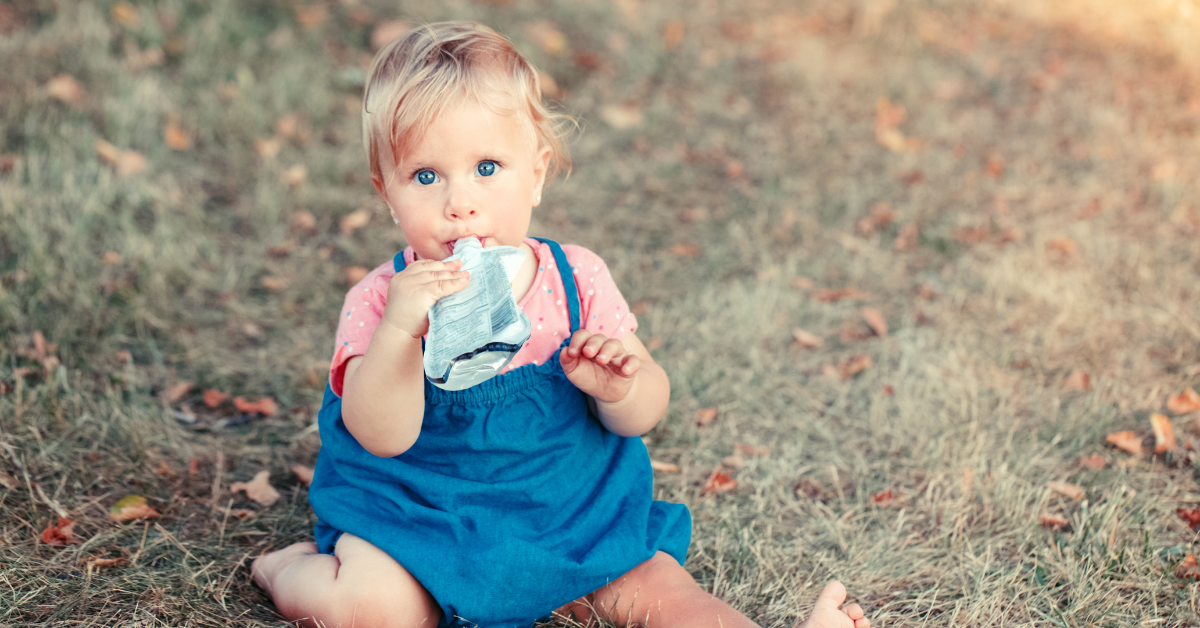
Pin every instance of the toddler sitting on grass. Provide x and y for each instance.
(528, 496)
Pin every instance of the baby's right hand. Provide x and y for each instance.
(412, 292)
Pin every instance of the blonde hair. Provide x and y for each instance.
(416, 77)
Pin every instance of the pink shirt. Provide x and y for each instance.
(603, 308)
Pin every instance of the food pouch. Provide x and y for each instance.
(476, 331)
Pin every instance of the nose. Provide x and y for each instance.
(460, 204)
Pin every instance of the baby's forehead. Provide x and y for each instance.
(513, 123)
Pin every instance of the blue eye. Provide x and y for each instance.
(486, 168)
(426, 177)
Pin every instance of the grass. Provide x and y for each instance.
(757, 144)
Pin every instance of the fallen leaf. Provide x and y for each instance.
(888, 391)
(1188, 568)
(238, 513)
(311, 15)
(802, 283)
(131, 507)
(1053, 520)
(1094, 461)
(356, 219)
(387, 31)
(1074, 491)
(65, 88)
(176, 137)
(267, 147)
(259, 489)
(853, 366)
(213, 398)
(126, 14)
(1065, 246)
(547, 36)
(733, 169)
(623, 116)
(110, 258)
(193, 466)
(1011, 234)
(751, 450)
(62, 533)
(108, 152)
(1091, 209)
(303, 473)
(275, 284)
(355, 274)
(1078, 380)
(1127, 441)
(971, 235)
(8, 161)
(295, 175)
(833, 295)
(1191, 516)
(176, 391)
(853, 332)
(908, 238)
(705, 416)
(829, 371)
(288, 125)
(673, 35)
(808, 487)
(685, 250)
(883, 498)
(734, 462)
(265, 406)
(102, 562)
(130, 163)
(881, 216)
(1164, 433)
(164, 468)
(8, 481)
(304, 220)
(887, 118)
(654, 343)
(718, 482)
(876, 320)
(805, 339)
(995, 166)
(1185, 402)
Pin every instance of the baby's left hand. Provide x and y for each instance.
(599, 366)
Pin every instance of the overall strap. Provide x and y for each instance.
(398, 262)
(568, 279)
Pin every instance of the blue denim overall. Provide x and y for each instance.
(513, 501)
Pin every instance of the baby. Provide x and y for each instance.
(528, 496)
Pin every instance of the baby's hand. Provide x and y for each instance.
(599, 366)
(412, 292)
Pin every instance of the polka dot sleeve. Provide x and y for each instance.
(603, 306)
(361, 313)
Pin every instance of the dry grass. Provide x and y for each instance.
(757, 143)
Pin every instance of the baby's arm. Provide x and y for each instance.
(630, 389)
(383, 397)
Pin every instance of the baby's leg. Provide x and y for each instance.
(359, 586)
(660, 593)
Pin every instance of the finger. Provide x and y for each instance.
(627, 365)
(611, 349)
(592, 346)
(443, 287)
(853, 611)
(577, 342)
(831, 596)
(862, 622)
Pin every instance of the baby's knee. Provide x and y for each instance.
(367, 603)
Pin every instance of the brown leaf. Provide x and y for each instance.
(833, 295)
(705, 416)
(1053, 520)
(126, 14)
(265, 406)
(387, 31)
(883, 498)
(39, 345)
(303, 473)
(1185, 402)
(259, 489)
(110, 258)
(213, 398)
(802, 283)
(164, 468)
(1164, 433)
(971, 235)
(718, 482)
(1064, 246)
(65, 88)
(288, 125)
(1094, 461)
(623, 116)
(908, 238)
(238, 513)
(62, 533)
(130, 163)
(176, 137)
(829, 371)
(673, 35)
(103, 562)
(8, 161)
(853, 366)
(311, 15)
(355, 274)
(275, 284)
(664, 467)
(881, 216)
(547, 36)
(876, 320)
(1074, 491)
(108, 152)
(734, 461)
(304, 220)
(1191, 516)
(1188, 568)
(751, 450)
(356, 219)
(853, 332)
(995, 166)
(685, 250)
(267, 147)
(1127, 440)
(1091, 209)
(1078, 380)
(8, 481)
(888, 391)
(805, 339)
(131, 507)
(295, 175)
(175, 392)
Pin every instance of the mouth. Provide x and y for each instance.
(450, 243)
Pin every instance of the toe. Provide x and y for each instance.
(832, 596)
(853, 611)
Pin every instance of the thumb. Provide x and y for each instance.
(831, 596)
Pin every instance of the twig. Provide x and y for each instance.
(58, 510)
(216, 485)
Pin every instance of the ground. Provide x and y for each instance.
(184, 198)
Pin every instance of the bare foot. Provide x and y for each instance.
(266, 567)
(826, 613)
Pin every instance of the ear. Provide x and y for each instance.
(541, 162)
(381, 189)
